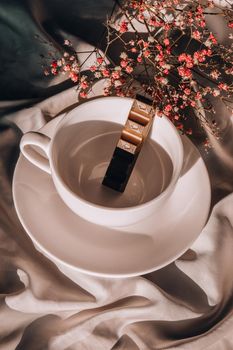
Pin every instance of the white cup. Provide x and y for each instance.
(80, 150)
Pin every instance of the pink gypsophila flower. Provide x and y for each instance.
(187, 91)
(168, 108)
(54, 71)
(83, 94)
(54, 64)
(196, 35)
(129, 69)
(115, 75)
(187, 59)
(124, 63)
(184, 72)
(146, 53)
(93, 68)
(166, 42)
(223, 86)
(67, 67)
(100, 60)
(106, 73)
(73, 76)
(123, 27)
(212, 38)
(84, 84)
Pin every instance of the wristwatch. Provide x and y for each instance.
(129, 145)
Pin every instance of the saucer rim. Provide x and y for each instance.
(55, 258)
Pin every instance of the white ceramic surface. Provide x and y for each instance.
(134, 250)
(101, 113)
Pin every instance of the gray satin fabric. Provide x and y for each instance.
(186, 305)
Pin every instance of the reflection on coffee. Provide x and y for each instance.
(82, 166)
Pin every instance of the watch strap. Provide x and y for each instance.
(128, 147)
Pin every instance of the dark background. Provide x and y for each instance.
(21, 22)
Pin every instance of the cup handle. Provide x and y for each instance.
(42, 141)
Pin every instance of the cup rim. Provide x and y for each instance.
(89, 204)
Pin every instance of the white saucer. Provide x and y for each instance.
(133, 250)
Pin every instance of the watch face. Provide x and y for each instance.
(119, 169)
